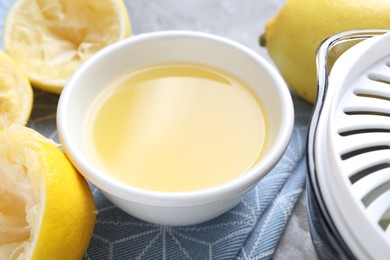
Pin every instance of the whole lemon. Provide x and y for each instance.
(293, 35)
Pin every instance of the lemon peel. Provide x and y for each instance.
(49, 39)
(46, 208)
(293, 35)
(16, 94)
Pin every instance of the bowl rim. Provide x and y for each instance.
(238, 185)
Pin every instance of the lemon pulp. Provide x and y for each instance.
(50, 38)
(46, 208)
(16, 95)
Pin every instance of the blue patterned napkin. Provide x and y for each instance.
(249, 231)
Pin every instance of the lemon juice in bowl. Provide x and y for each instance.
(186, 103)
(176, 127)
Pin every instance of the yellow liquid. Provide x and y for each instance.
(176, 127)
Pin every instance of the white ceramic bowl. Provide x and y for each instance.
(175, 208)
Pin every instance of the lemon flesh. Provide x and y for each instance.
(49, 39)
(293, 35)
(16, 95)
(46, 207)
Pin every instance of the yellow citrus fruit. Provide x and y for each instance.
(16, 95)
(49, 39)
(293, 35)
(46, 207)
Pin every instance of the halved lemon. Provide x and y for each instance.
(16, 95)
(46, 207)
(49, 39)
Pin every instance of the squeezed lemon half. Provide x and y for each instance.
(16, 95)
(49, 39)
(46, 208)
